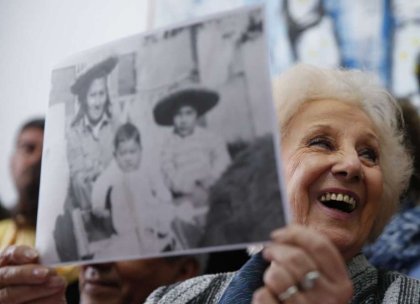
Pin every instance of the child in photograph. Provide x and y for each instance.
(124, 193)
(192, 159)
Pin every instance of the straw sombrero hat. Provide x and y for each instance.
(98, 70)
(200, 98)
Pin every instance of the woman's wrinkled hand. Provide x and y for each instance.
(305, 267)
(23, 280)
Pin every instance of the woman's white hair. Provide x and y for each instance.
(305, 83)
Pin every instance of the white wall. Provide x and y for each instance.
(35, 35)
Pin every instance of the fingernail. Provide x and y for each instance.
(40, 272)
(30, 254)
(56, 282)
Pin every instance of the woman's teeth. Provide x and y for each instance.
(331, 200)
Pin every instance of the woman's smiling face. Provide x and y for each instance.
(96, 99)
(334, 181)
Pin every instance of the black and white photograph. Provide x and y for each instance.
(162, 143)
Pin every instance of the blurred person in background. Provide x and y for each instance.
(130, 282)
(25, 166)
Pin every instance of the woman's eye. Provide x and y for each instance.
(27, 148)
(369, 154)
(321, 142)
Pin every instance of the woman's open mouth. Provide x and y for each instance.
(340, 201)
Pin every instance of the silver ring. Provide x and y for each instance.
(288, 293)
(309, 280)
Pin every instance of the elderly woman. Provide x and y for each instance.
(344, 167)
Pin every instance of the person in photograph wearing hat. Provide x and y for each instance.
(192, 159)
(90, 137)
(91, 131)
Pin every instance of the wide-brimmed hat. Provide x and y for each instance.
(98, 70)
(200, 98)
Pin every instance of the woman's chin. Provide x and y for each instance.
(345, 241)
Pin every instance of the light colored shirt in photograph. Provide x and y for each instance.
(201, 157)
(138, 211)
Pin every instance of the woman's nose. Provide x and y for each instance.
(348, 166)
